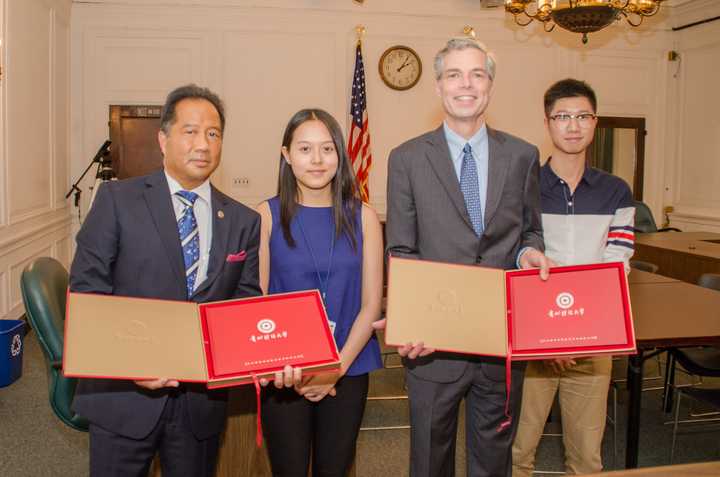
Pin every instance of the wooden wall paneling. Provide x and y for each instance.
(29, 62)
(698, 171)
(63, 250)
(34, 139)
(3, 122)
(60, 91)
(4, 293)
(16, 271)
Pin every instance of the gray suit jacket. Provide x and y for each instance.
(427, 218)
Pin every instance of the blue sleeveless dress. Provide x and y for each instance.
(293, 269)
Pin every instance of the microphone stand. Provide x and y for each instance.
(99, 159)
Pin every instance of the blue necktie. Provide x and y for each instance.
(189, 238)
(471, 189)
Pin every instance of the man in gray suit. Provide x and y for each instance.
(468, 194)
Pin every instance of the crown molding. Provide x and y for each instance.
(683, 12)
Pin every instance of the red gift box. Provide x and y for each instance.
(222, 344)
(580, 310)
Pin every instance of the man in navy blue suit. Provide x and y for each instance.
(169, 235)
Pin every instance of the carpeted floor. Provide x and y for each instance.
(33, 442)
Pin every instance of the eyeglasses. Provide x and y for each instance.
(585, 119)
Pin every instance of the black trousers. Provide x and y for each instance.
(294, 426)
(181, 454)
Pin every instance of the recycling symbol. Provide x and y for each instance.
(16, 345)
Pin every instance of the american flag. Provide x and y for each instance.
(359, 138)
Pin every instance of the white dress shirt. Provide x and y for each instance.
(480, 152)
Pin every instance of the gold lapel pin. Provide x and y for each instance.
(221, 214)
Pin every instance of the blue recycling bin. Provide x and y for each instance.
(12, 333)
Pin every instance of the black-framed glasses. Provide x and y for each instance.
(585, 119)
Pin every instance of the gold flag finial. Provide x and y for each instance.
(359, 31)
(469, 31)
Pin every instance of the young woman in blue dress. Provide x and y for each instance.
(317, 234)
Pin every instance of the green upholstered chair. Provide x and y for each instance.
(44, 285)
(644, 221)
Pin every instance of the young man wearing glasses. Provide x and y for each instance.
(587, 217)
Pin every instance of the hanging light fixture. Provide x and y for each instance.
(581, 16)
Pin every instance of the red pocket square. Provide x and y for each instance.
(236, 257)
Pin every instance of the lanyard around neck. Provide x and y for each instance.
(323, 286)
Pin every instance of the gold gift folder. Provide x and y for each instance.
(136, 338)
(449, 307)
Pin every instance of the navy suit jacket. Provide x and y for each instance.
(129, 246)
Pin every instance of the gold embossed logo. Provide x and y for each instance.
(136, 330)
(446, 302)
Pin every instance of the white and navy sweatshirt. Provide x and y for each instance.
(594, 224)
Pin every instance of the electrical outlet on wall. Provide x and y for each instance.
(241, 182)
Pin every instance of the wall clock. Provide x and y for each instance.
(400, 67)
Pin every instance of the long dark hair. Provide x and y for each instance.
(345, 193)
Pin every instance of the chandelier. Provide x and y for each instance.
(581, 16)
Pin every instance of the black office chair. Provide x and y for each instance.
(709, 396)
(703, 361)
(644, 266)
(644, 221)
(44, 284)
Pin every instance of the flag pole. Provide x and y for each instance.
(358, 143)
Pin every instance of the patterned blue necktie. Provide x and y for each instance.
(471, 189)
(189, 238)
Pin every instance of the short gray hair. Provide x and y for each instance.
(457, 44)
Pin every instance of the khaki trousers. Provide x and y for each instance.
(583, 393)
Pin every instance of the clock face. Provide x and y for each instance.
(400, 67)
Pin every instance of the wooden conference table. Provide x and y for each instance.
(667, 313)
(681, 255)
(684, 470)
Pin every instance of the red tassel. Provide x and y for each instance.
(258, 432)
(508, 384)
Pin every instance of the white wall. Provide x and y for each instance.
(34, 139)
(693, 179)
(269, 58)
